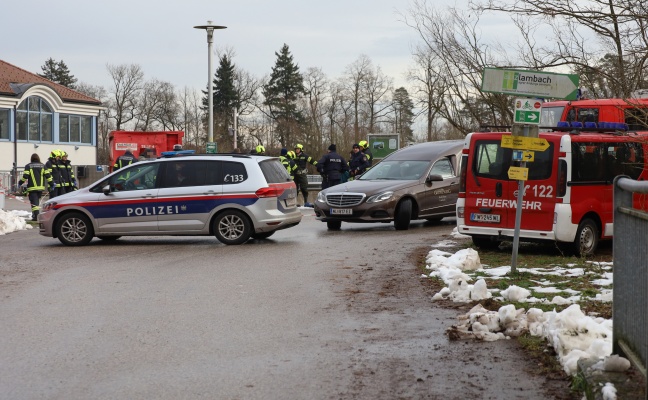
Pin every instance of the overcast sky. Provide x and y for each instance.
(159, 35)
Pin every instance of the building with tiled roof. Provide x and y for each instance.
(39, 116)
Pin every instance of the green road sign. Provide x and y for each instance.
(212, 148)
(383, 145)
(530, 83)
(527, 117)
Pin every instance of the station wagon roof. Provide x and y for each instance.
(427, 151)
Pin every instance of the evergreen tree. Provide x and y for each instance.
(404, 115)
(225, 98)
(281, 94)
(58, 72)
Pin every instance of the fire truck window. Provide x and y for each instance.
(588, 162)
(637, 119)
(491, 160)
(541, 167)
(588, 115)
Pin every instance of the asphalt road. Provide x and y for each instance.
(306, 314)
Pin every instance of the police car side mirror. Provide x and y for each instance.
(106, 190)
(434, 178)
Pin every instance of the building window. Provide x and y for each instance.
(4, 124)
(75, 129)
(34, 120)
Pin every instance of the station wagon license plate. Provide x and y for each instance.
(291, 201)
(493, 218)
(341, 211)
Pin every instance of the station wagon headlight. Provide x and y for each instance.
(380, 197)
(321, 197)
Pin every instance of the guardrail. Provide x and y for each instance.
(314, 182)
(630, 296)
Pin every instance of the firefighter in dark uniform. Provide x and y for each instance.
(358, 163)
(364, 147)
(301, 173)
(37, 179)
(126, 159)
(52, 169)
(68, 180)
(288, 163)
(331, 166)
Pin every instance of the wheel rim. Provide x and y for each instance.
(587, 240)
(231, 227)
(74, 230)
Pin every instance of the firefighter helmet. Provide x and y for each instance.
(260, 149)
(364, 144)
(299, 146)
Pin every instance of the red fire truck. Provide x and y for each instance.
(142, 144)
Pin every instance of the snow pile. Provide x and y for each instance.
(571, 333)
(449, 268)
(11, 221)
(609, 392)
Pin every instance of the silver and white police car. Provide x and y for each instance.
(232, 196)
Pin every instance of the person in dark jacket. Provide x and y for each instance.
(301, 173)
(37, 179)
(331, 166)
(358, 163)
(126, 159)
(53, 170)
(68, 180)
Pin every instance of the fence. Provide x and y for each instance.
(7, 183)
(630, 297)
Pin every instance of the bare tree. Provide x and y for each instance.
(148, 104)
(604, 40)
(127, 81)
(354, 80)
(429, 88)
(377, 88)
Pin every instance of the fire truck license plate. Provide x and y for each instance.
(341, 211)
(494, 218)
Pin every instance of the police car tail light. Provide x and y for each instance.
(272, 191)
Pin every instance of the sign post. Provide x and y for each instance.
(524, 142)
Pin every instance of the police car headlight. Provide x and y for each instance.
(380, 197)
(321, 197)
(49, 205)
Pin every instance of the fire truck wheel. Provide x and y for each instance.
(485, 242)
(403, 215)
(587, 237)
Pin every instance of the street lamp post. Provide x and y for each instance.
(210, 87)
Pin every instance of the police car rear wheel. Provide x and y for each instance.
(232, 227)
(74, 229)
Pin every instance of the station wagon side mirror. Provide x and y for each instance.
(434, 178)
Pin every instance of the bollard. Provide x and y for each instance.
(2, 199)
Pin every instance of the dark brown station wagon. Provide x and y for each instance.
(417, 182)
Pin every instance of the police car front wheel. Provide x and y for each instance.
(74, 229)
(232, 227)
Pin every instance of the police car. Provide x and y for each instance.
(232, 196)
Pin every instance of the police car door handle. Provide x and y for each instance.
(209, 192)
(148, 196)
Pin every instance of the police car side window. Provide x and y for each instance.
(233, 173)
(214, 173)
(137, 177)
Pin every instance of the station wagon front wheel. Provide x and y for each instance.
(232, 227)
(74, 229)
